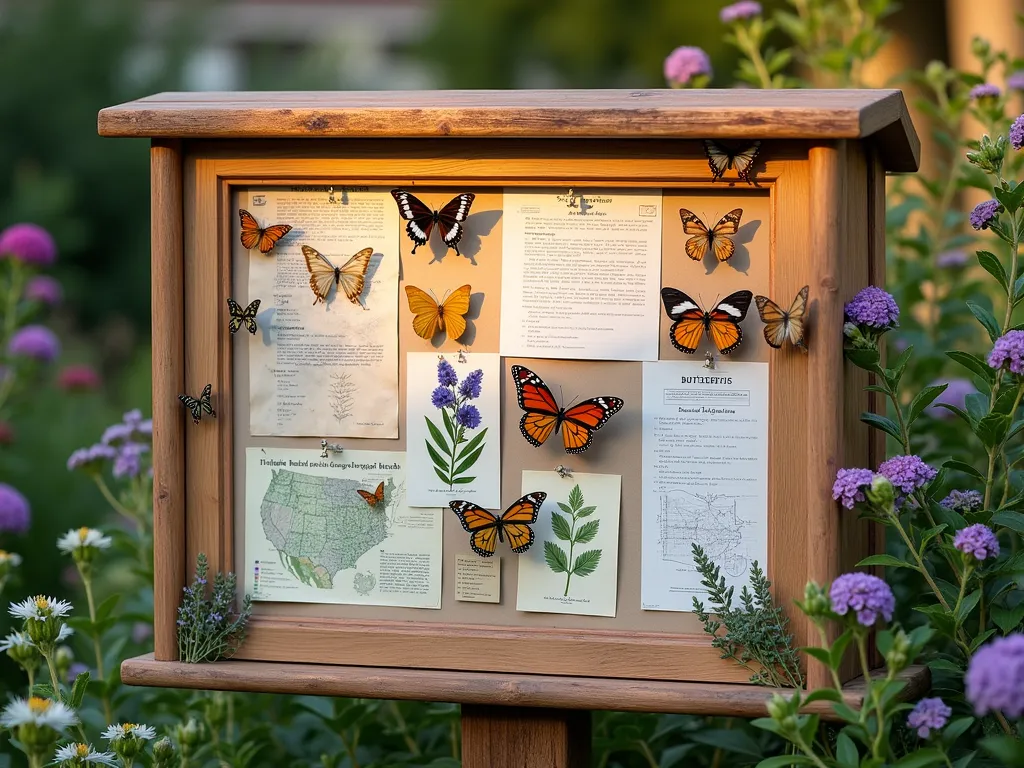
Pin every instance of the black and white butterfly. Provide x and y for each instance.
(421, 219)
(240, 317)
(722, 158)
(199, 405)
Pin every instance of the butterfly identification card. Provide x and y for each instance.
(311, 535)
(477, 580)
(705, 476)
(453, 440)
(324, 361)
(573, 565)
(581, 282)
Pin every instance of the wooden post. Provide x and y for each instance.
(524, 737)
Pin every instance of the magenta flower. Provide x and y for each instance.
(995, 677)
(929, 715)
(28, 243)
(1017, 133)
(78, 378)
(684, 64)
(977, 540)
(874, 308)
(985, 213)
(44, 289)
(866, 595)
(1008, 352)
(36, 342)
(985, 91)
(907, 473)
(741, 11)
(848, 489)
(15, 513)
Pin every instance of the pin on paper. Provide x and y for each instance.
(331, 447)
(571, 203)
(462, 356)
(563, 472)
(709, 360)
(330, 195)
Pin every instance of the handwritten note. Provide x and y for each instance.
(477, 580)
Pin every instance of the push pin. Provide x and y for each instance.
(709, 360)
(332, 447)
(563, 472)
(462, 356)
(330, 195)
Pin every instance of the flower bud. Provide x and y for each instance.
(163, 754)
(881, 494)
(778, 707)
(980, 47)
(816, 603)
(989, 154)
(899, 654)
(188, 736)
(63, 659)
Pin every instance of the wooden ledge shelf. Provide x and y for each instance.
(715, 699)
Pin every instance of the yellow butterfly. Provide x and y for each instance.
(323, 275)
(717, 238)
(781, 324)
(431, 317)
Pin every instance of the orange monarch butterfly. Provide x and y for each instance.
(199, 406)
(717, 239)
(781, 324)
(486, 529)
(431, 317)
(373, 499)
(722, 158)
(239, 317)
(254, 235)
(721, 324)
(543, 416)
(323, 275)
(421, 219)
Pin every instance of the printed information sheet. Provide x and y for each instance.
(477, 580)
(329, 370)
(705, 476)
(337, 530)
(573, 565)
(453, 411)
(580, 276)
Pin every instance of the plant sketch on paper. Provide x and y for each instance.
(342, 395)
(452, 450)
(568, 529)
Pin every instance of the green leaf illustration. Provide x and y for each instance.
(473, 444)
(560, 527)
(586, 512)
(442, 476)
(555, 557)
(586, 563)
(576, 497)
(449, 425)
(462, 480)
(469, 461)
(565, 508)
(435, 457)
(586, 532)
(435, 433)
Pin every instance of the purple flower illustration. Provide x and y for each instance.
(451, 449)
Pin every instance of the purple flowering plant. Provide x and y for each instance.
(452, 449)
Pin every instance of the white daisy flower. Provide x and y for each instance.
(9, 558)
(81, 539)
(127, 730)
(38, 711)
(16, 640)
(77, 753)
(40, 607)
(64, 634)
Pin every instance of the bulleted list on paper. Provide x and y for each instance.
(581, 281)
(330, 369)
(705, 476)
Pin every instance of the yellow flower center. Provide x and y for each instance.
(38, 705)
(42, 603)
(82, 533)
(128, 728)
(3, 554)
(82, 750)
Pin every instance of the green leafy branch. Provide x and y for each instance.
(586, 562)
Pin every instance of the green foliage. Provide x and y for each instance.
(209, 628)
(565, 529)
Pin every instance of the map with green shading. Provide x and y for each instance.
(321, 525)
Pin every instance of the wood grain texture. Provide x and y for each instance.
(168, 381)
(514, 737)
(694, 114)
(712, 699)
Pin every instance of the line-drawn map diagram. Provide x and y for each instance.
(710, 520)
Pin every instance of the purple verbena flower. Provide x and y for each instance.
(75, 669)
(985, 91)
(36, 342)
(907, 473)
(15, 513)
(116, 434)
(848, 489)
(1008, 352)
(929, 715)
(995, 677)
(684, 64)
(446, 375)
(874, 308)
(128, 462)
(977, 540)
(744, 9)
(954, 394)
(470, 387)
(132, 418)
(145, 428)
(44, 289)
(963, 502)
(91, 458)
(468, 416)
(866, 595)
(442, 397)
(985, 213)
(956, 257)
(1017, 133)
(28, 243)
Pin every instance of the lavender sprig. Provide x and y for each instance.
(208, 627)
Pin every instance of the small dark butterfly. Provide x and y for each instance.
(421, 219)
(199, 406)
(722, 158)
(241, 316)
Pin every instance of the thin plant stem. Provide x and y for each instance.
(31, 680)
(645, 750)
(53, 675)
(825, 644)
(403, 728)
(96, 644)
(111, 500)
(746, 44)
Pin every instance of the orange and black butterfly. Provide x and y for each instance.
(721, 324)
(374, 499)
(578, 423)
(487, 529)
(255, 236)
(716, 239)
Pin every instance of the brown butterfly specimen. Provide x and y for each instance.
(255, 236)
(374, 499)
(718, 238)
(323, 275)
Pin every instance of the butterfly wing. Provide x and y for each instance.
(249, 316)
(450, 219)
(515, 521)
(270, 236)
(797, 311)
(419, 218)
(721, 242)
(481, 525)
(351, 276)
(453, 311)
(688, 328)
(584, 419)
(235, 313)
(719, 158)
(193, 405)
(251, 230)
(379, 493)
(774, 319)
(204, 400)
(321, 273)
(724, 319)
(368, 497)
(239, 316)
(743, 161)
(542, 412)
(427, 318)
(697, 245)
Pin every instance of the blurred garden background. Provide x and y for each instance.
(62, 61)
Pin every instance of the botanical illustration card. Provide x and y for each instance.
(573, 565)
(453, 411)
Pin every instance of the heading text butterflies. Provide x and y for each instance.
(543, 416)
(323, 275)
(253, 235)
(717, 239)
(781, 324)
(721, 324)
(486, 529)
(431, 317)
(421, 219)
